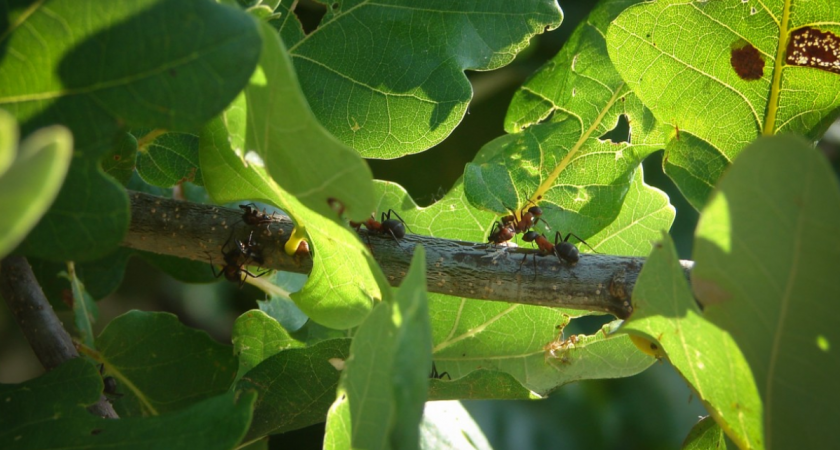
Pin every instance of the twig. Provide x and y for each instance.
(464, 269)
(38, 321)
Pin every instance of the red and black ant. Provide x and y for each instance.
(236, 259)
(394, 227)
(252, 216)
(438, 376)
(501, 232)
(561, 248)
(527, 219)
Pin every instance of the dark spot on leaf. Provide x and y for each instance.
(95, 431)
(67, 297)
(809, 47)
(747, 62)
(172, 72)
(117, 157)
(335, 6)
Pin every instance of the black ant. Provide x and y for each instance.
(562, 248)
(236, 259)
(394, 227)
(438, 376)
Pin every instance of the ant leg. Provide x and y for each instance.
(581, 240)
(213, 266)
(442, 374)
(398, 217)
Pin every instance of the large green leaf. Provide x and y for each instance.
(388, 77)
(471, 335)
(766, 252)
(577, 178)
(257, 337)
(30, 177)
(304, 159)
(168, 159)
(160, 365)
(94, 68)
(49, 412)
(667, 318)
(706, 435)
(720, 73)
(385, 383)
(295, 387)
(345, 281)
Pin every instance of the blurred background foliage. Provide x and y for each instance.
(653, 410)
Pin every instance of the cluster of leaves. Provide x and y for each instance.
(240, 104)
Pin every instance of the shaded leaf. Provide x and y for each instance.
(168, 159)
(373, 71)
(160, 365)
(482, 384)
(85, 311)
(764, 252)
(667, 317)
(94, 69)
(295, 387)
(280, 306)
(49, 412)
(706, 435)
(256, 337)
(730, 57)
(30, 177)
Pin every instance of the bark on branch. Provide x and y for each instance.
(38, 321)
(458, 268)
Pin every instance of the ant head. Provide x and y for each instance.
(536, 211)
(567, 252)
(530, 236)
(232, 273)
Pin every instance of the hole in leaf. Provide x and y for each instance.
(310, 13)
(747, 61)
(588, 325)
(809, 47)
(335, 6)
(619, 134)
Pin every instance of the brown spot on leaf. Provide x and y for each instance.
(747, 62)
(809, 47)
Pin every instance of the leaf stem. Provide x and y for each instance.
(150, 137)
(775, 85)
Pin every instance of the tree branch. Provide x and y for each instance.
(464, 269)
(38, 321)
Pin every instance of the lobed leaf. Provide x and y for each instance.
(720, 74)
(95, 68)
(373, 71)
(49, 412)
(706, 356)
(160, 365)
(765, 253)
(565, 165)
(257, 337)
(168, 159)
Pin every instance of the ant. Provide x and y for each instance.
(236, 258)
(438, 376)
(394, 227)
(110, 384)
(527, 219)
(253, 216)
(562, 248)
(501, 232)
(561, 346)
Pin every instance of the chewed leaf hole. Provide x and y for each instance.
(619, 134)
(310, 14)
(809, 47)
(747, 61)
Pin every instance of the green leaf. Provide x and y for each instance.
(168, 159)
(295, 387)
(257, 337)
(765, 251)
(161, 365)
(302, 157)
(85, 311)
(100, 277)
(185, 270)
(30, 177)
(49, 412)
(345, 281)
(470, 335)
(745, 81)
(667, 319)
(97, 69)
(383, 389)
(706, 435)
(479, 384)
(388, 78)
(280, 305)
(577, 177)
(120, 161)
